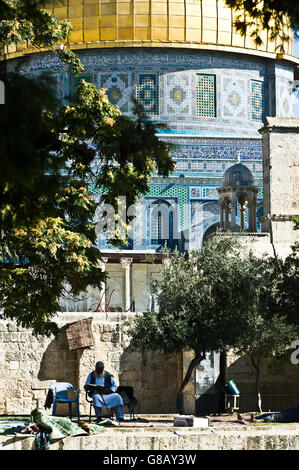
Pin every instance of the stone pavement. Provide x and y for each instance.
(158, 433)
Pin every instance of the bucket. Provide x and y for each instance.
(232, 388)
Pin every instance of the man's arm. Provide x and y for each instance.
(97, 388)
(88, 385)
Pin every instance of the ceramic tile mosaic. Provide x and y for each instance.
(234, 97)
(182, 197)
(202, 212)
(177, 94)
(256, 100)
(202, 192)
(161, 221)
(284, 97)
(147, 92)
(88, 77)
(118, 89)
(213, 105)
(206, 98)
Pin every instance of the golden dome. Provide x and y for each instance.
(193, 24)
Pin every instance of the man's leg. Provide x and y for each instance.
(291, 415)
(98, 412)
(97, 404)
(263, 416)
(119, 410)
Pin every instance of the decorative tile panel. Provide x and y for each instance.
(118, 89)
(256, 100)
(178, 88)
(88, 77)
(202, 192)
(161, 221)
(181, 193)
(139, 225)
(206, 101)
(201, 211)
(233, 97)
(147, 92)
(284, 97)
(177, 99)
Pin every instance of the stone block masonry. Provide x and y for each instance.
(281, 181)
(241, 438)
(30, 364)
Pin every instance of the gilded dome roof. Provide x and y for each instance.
(237, 175)
(193, 24)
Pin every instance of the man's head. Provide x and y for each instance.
(99, 367)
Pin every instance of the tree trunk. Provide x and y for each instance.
(256, 365)
(180, 401)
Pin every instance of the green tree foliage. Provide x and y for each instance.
(201, 301)
(274, 325)
(29, 22)
(273, 16)
(49, 155)
(214, 300)
(286, 275)
(266, 338)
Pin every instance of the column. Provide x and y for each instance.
(221, 217)
(103, 284)
(126, 263)
(221, 213)
(226, 218)
(233, 209)
(252, 214)
(242, 210)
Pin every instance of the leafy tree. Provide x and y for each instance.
(49, 156)
(212, 300)
(47, 234)
(203, 299)
(285, 299)
(273, 16)
(272, 327)
(266, 337)
(28, 21)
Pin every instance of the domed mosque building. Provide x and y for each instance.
(212, 88)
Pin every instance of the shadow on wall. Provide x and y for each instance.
(58, 363)
(155, 378)
(212, 401)
(279, 384)
(210, 397)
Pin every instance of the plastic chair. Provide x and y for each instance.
(102, 307)
(60, 395)
(127, 394)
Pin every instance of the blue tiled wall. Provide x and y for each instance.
(209, 126)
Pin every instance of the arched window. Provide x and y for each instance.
(161, 224)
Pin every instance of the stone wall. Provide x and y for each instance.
(30, 364)
(279, 382)
(267, 437)
(281, 181)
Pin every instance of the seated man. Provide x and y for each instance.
(101, 387)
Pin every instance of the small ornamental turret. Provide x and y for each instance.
(237, 189)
